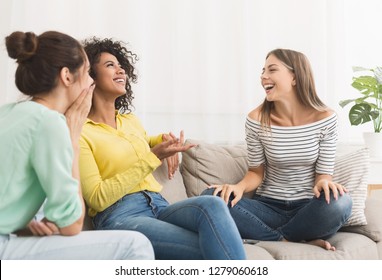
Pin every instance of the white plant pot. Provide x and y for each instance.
(373, 141)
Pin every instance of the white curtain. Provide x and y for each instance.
(200, 60)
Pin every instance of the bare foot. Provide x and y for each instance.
(318, 242)
(322, 243)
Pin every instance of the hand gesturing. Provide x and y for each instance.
(169, 149)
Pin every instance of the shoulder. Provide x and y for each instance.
(53, 126)
(45, 120)
(255, 114)
(327, 114)
(53, 119)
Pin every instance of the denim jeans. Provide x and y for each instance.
(87, 245)
(195, 228)
(263, 218)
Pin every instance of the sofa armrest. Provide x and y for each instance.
(373, 213)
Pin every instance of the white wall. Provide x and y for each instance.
(200, 60)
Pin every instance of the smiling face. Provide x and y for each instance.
(110, 77)
(277, 79)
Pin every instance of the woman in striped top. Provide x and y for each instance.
(291, 141)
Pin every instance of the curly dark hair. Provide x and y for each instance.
(95, 46)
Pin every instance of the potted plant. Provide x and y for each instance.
(368, 107)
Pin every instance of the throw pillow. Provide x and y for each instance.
(209, 164)
(351, 170)
(373, 229)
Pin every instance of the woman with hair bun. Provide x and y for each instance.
(39, 148)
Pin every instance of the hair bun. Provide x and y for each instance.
(21, 45)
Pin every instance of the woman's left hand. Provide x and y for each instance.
(327, 185)
(173, 160)
(43, 227)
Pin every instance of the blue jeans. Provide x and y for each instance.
(195, 228)
(263, 218)
(87, 245)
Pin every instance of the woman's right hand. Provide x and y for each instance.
(77, 113)
(170, 147)
(225, 191)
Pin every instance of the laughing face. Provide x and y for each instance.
(277, 79)
(110, 77)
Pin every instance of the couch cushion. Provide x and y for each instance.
(209, 164)
(254, 252)
(349, 246)
(173, 190)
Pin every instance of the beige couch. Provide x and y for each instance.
(213, 164)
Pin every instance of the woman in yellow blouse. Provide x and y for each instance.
(116, 163)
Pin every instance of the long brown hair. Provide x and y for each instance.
(41, 58)
(297, 63)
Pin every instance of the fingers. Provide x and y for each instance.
(225, 193)
(333, 187)
(326, 192)
(169, 168)
(175, 162)
(42, 228)
(218, 189)
(235, 200)
(83, 102)
(32, 227)
(181, 138)
(337, 189)
(169, 147)
(53, 228)
(172, 165)
(329, 187)
(316, 192)
(85, 95)
(342, 190)
(169, 142)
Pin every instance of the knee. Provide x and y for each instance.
(208, 191)
(340, 207)
(211, 203)
(139, 247)
(345, 204)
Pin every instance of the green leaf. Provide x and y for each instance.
(359, 68)
(368, 107)
(365, 84)
(361, 100)
(343, 103)
(362, 113)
